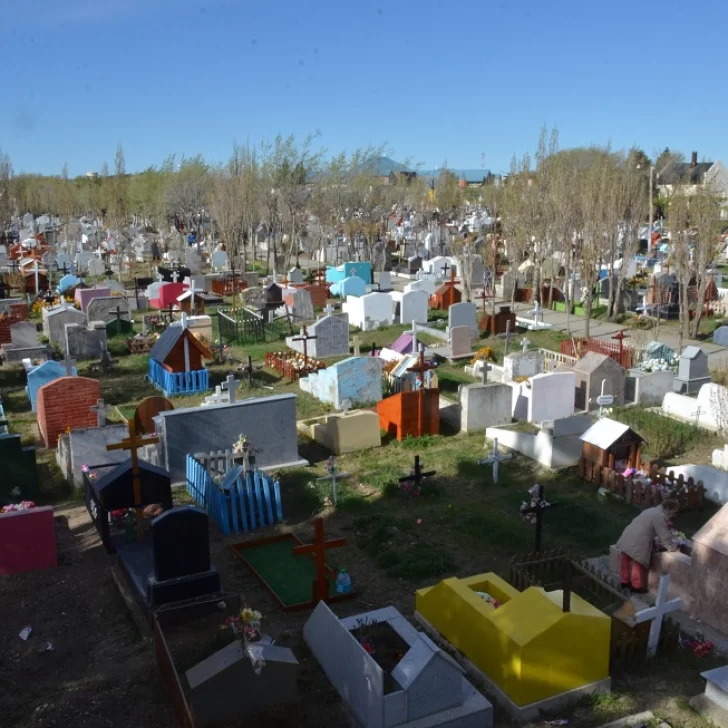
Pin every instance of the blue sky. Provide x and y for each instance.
(469, 82)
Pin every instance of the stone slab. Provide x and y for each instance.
(484, 405)
(268, 422)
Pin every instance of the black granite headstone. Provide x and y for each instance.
(181, 543)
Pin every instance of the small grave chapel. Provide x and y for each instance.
(612, 444)
(176, 361)
(446, 295)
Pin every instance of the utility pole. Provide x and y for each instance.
(649, 227)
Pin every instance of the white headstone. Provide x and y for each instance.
(413, 307)
(463, 314)
(219, 260)
(551, 396)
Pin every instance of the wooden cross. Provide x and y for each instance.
(305, 337)
(420, 368)
(132, 443)
(100, 409)
(333, 476)
(656, 614)
(231, 384)
(318, 548)
(494, 459)
(417, 476)
(537, 508)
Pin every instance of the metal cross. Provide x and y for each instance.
(333, 476)
(417, 476)
(697, 414)
(495, 459)
(537, 508)
(231, 385)
(656, 613)
(100, 409)
(305, 337)
(69, 364)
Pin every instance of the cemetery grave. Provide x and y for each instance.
(283, 565)
(464, 518)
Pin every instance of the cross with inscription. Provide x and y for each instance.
(132, 443)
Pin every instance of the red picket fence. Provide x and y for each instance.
(291, 364)
(579, 347)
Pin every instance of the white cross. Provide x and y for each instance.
(175, 276)
(100, 409)
(524, 344)
(328, 309)
(413, 333)
(536, 310)
(486, 368)
(656, 613)
(333, 476)
(494, 459)
(69, 364)
(231, 385)
(160, 277)
(346, 406)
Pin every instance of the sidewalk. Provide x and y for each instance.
(717, 355)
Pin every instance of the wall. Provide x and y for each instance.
(66, 402)
(17, 312)
(358, 379)
(82, 342)
(552, 452)
(269, 423)
(352, 671)
(651, 388)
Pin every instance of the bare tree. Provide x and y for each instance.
(6, 203)
(705, 207)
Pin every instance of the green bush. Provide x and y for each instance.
(665, 438)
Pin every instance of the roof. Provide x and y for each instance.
(691, 352)
(591, 361)
(383, 166)
(605, 432)
(168, 340)
(677, 173)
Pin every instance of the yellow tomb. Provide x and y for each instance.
(529, 647)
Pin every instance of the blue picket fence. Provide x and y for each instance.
(241, 503)
(178, 382)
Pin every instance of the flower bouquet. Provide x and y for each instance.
(246, 625)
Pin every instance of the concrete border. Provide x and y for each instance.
(520, 713)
